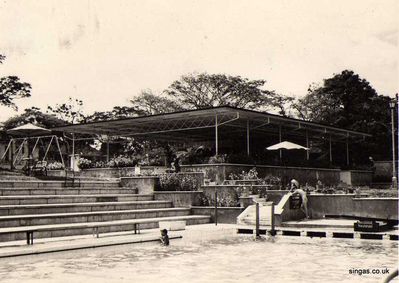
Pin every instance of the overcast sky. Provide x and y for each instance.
(105, 52)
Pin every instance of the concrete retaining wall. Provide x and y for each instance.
(180, 199)
(111, 172)
(320, 205)
(220, 172)
(357, 177)
(143, 184)
(226, 215)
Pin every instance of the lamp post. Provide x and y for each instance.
(392, 106)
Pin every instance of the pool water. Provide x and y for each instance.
(231, 258)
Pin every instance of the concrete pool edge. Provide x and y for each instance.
(69, 246)
(321, 233)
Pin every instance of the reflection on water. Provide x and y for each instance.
(236, 259)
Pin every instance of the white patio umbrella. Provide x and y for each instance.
(28, 130)
(286, 145)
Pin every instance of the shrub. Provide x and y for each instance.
(178, 182)
(122, 161)
(55, 166)
(196, 155)
(221, 158)
(84, 163)
(226, 198)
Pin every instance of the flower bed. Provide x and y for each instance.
(178, 182)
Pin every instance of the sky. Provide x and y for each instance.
(106, 52)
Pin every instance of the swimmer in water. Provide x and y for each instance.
(164, 237)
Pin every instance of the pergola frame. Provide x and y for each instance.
(197, 125)
(15, 154)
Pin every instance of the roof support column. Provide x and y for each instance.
(73, 144)
(307, 145)
(107, 148)
(73, 158)
(280, 140)
(330, 149)
(12, 154)
(347, 152)
(216, 136)
(248, 137)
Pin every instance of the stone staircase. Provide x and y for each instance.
(28, 202)
(13, 175)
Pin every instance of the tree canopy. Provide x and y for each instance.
(148, 103)
(70, 111)
(12, 88)
(348, 101)
(196, 91)
(33, 115)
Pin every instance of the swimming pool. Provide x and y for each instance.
(211, 257)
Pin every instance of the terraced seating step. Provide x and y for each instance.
(65, 191)
(97, 216)
(52, 199)
(59, 230)
(56, 184)
(81, 207)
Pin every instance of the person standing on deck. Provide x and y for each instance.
(295, 189)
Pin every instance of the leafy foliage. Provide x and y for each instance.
(147, 103)
(70, 111)
(210, 90)
(85, 163)
(178, 182)
(55, 166)
(348, 101)
(12, 88)
(33, 115)
(226, 198)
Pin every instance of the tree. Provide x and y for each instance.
(118, 112)
(348, 101)
(196, 91)
(33, 115)
(147, 103)
(12, 88)
(71, 111)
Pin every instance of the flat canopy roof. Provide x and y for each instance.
(200, 124)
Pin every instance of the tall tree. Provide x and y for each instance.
(33, 115)
(12, 88)
(70, 111)
(196, 91)
(147, 103)
(348, 101)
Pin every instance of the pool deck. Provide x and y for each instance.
(323, 228)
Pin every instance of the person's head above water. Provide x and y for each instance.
(294, 184)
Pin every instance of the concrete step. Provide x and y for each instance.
(66, 191)
(61, 230)
(81, 207)
(81, 217)
(11, 178)
(52, 199)
(56, 184)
